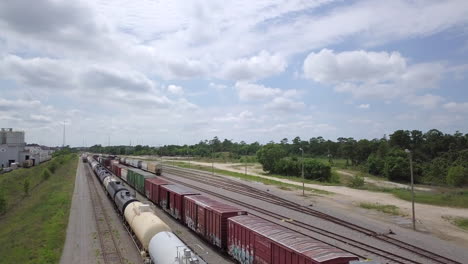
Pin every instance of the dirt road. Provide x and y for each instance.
(82, 243)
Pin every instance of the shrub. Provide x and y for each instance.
(269, 154)
(52, 166)
(26, 186)
(45, 174)
(357, 181)
(314, 169)
(3, 203)
(456, 176)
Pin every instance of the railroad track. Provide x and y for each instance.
(109, 248)
(234, 186)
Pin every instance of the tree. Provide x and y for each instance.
(397, 166)
(401, 139)
(269, 154)
(375, 164)
(26, 187)
(456, 176)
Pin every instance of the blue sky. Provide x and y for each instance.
(176, 72)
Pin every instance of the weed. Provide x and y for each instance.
(384, 208)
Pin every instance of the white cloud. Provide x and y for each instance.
(364, 106)
(457, 107)
(217, 86)
(371, 74)
(250, 91)
(284, 104)
(353, 66)
(256, 67)
(427, 101)
(175, 89)
(245, 115)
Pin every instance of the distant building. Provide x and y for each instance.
(11, 146)
(13, 149)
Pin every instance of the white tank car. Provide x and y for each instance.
(109, 179)
(167, 248)
(144, 223)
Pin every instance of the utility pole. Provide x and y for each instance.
(212, 161)
(412, 186)
(303, 179)
(63, 137)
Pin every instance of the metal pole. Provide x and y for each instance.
(303, 179)
(188, 159)
(412, 190)
(212, 162)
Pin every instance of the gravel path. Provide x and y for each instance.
(82, 243)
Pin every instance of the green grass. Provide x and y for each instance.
(249, 177)
(33, 229)
(461, 222)
(384, 208)
(453, 198)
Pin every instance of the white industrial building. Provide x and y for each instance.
(11, 146)
(13, 149)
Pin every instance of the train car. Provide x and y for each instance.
(136, 178)
(114, 187)
(165, 247)
(208, 218)
(152, 189)
(155, 167)
(172, 200)
(123, 199)
(255, 240)
(108, 180)
(124, 173)
(143, 165)
(144, 223)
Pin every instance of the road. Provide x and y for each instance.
(82, 244)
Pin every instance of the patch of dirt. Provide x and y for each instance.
(383, 183)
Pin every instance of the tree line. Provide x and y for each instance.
(438, 158)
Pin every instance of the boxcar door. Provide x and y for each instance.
(201, 221)
(262, 250)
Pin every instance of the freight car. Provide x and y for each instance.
(208, 218)
(144, 224)
(150, 166)
(246, 238)
(255, 240)
(172, 200)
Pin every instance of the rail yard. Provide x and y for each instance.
(199, 217)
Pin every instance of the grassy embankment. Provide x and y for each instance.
(384, 208)
(281, 185)
(461, 222)
(33, 229)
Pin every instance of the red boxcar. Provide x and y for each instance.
(118, 170)
(208, 218)
(152, 188)
(255, 240)
(172, 200)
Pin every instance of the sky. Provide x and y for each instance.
(176, 72)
